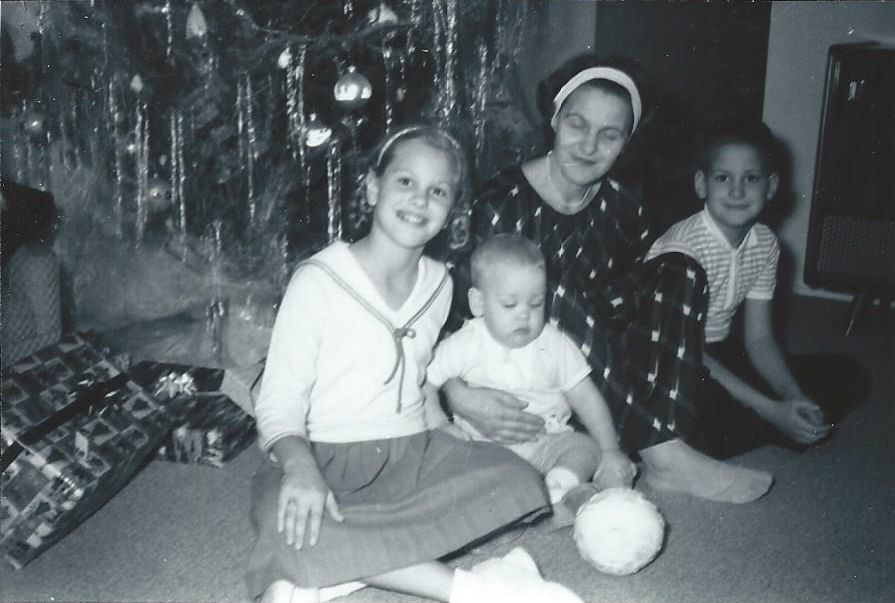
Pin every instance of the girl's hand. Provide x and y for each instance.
(495, 414)
(616, 470)
(303, 497)
(801, 420)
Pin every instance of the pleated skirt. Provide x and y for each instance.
(405, 501)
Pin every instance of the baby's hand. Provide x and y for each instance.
(616, 470)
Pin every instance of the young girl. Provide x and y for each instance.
(358, 486)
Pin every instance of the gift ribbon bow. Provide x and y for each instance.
(174, 384)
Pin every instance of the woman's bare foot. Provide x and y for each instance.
(674, 466)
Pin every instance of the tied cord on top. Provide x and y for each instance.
(398, 333)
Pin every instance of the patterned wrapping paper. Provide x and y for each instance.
(63, 477)
(215, 431)
(211, 429)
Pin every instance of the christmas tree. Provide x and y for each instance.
(248, 116)
(234, 134)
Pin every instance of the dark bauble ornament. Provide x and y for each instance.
(353, 90)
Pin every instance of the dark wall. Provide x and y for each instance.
(704, 61)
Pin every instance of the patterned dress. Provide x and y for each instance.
(640, 325)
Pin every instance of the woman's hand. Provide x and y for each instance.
(303, 497)
(495, 414)
(800, 419)
(616, 470)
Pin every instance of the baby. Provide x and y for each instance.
(507, 346)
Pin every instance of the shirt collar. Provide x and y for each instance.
(749, 241)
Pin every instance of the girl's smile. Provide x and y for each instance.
(412, 198)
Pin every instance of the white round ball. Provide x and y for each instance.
(618, 531)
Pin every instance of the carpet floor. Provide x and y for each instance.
(825, 532)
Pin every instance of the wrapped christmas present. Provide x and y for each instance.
(75, 430)
(211, 429)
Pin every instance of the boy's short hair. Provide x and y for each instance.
(739, 130)
(504, 247)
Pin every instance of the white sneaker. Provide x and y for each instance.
(283, 591)
(513, 578)
(559, 480)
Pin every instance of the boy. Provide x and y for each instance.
(507, 346)
(736, 178)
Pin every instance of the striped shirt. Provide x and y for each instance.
(748, 271)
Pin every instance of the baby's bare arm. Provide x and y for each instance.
(591, 409)
(616, 469)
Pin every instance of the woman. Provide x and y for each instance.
(639, 324)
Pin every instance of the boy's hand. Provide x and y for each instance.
(303, 497)
(616, 470)
(801, 420)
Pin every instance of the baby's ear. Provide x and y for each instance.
(699, 184)
(476, 302)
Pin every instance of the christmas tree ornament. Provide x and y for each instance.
(196, 27)
(129, 145)
(158, 194)
(316, 132)
(34, 124)
(619, 531)
(381, 15)
(353, 89)
(284, 59)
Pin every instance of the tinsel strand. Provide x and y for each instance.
(118, 166)
(181, 172)
(169, 22)
(240, 120)
(481, 102)
(303, 167)
(387, 93)
(334, 178)
(252, 150)
(176, 199)
(450, 57)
